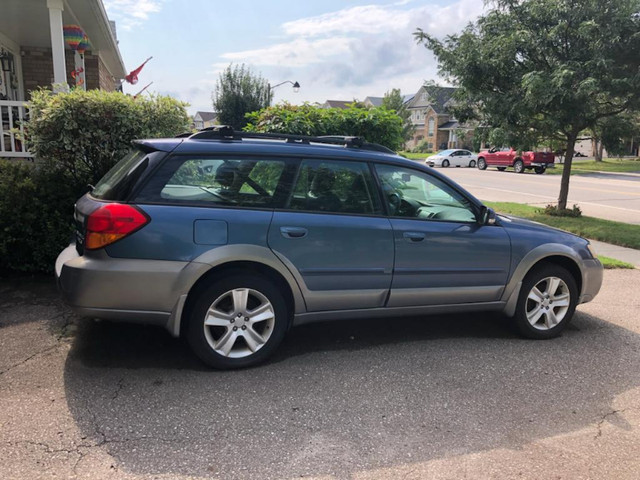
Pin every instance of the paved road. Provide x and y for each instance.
(452, 397)
(614, 197)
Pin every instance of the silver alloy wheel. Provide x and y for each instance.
(239, 322)
(547, 303)
(472, 163)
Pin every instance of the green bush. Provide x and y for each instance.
(36, 209)
(377, 125)
(554, 211)
(76, 137)
(86, 133)
(422, 147)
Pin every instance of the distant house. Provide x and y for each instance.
(433, 121)
(337, 104)
(33, 54)
(373, 101)
(204, 120)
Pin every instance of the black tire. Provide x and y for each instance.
(472, 164)
(501, 169)
(539, 170)
(482, 164)
(533, 278)
(518, 166)
(445, 163)
(195, 330)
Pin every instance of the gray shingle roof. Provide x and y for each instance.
(207, 116)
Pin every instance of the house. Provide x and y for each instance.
(373, 101)
(337, 104)
(204, 120)
(33, 54)
(433, 121)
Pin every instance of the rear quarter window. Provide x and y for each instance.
(118, 181)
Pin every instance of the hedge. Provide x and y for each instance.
(76, 138)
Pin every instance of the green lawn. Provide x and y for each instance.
(617, 233)
(415, 156)
(611, 263)
(608, 165)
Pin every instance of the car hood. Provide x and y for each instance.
(510, 221)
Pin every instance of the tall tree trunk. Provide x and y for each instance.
(599, 150)
(566, 172)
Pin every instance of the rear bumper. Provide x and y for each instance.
(542, 164)
(142, 291)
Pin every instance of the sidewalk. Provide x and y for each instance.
(624, 254)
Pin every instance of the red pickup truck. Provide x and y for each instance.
(520, 161)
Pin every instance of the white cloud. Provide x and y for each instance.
(129, 13)
(356, 51)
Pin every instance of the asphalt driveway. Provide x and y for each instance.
(444, 397)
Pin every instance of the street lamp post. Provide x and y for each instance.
(296, 85)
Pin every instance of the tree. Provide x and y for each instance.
(238, 92)
(546, 69)
(393, 100)
(375, 124)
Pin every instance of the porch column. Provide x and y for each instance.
(57, 42)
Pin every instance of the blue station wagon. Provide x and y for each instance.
(229, 239)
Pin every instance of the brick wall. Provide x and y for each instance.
(37, 70)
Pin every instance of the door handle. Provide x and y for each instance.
(293, 232)
(414, 236)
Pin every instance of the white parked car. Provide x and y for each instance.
(452, 158)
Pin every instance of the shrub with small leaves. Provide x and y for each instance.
(554, 211)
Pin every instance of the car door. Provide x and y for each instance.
(442, 254)
(333, 236)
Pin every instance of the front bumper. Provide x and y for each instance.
(142, 291)
(592, 273)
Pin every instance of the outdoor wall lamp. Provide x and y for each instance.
(6, 60)
(296, 85)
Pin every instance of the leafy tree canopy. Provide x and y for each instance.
(393, 100)
(238, 92)
(546, 68)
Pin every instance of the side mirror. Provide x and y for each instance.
(487, 216)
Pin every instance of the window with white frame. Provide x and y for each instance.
(431, 127)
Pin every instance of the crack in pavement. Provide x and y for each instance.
(30, 357)
(607, 415)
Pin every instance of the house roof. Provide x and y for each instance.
(449, 125)
(375, 101)
(437, 98)
(206, 116)
(337, 103)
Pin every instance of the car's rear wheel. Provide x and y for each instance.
(445, 163)
(518, 166)
(547, 301)
(472, 163)
(237, 322)
(482, 164)
(501, 169)
(539, 170)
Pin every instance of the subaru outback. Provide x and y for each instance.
(229, 239)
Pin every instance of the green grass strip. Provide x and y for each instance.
(616, 233)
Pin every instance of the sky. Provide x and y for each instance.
(337, 50)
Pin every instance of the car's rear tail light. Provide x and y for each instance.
(111, 222)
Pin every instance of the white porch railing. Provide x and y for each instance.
(12, 137)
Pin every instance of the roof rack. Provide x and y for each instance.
(224, 132)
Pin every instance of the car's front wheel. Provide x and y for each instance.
(237, 322)
(445, 163)
(547, 300)
(482, 164)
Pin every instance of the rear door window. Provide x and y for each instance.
(246, 182)
(335, 186)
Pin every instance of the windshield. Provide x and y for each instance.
(445, 152)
